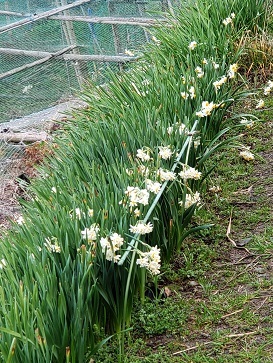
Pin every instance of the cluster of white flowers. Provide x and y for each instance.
(166, 174)
(215, 189)
(268, 88)
(248, 123)
(150, 260)
(206, 109)
(110, 245)
(78, 213)
(128, 52)
(190, 93)
(3, 263)
(178, 126)
(143, 154)
(91, 234)
(192, 45)
(191, 199)
(233, 68)
(52, 244)
(153, 187)
(260, 104)
(137, 196)
(165, 152)
(229, 19)
(215, 65)
(155, 40)
(247, 155)
(20, 220)
(189, 173)
(143, 170)
(141, 228)
(199, 72)
(219, 84)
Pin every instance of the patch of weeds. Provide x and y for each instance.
(166, 316)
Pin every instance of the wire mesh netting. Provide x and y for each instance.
(40, 62)
(48, 50)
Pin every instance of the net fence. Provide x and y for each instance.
(48, 50)
(45, 60)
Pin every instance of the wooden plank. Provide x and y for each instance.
(110, 20)
(33, 64)
(40, 16)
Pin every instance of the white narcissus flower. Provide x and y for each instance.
(215, 65)
(191, 199)
(116, 240)
(189, 173)
(217, 84)
(137, 195)
(165, 152)
(268, 88)
(153, 187)
(141, 228)
(227, 21)
(166, 174)
(52, 245)
(20, 220)
(3, 263)
(184, 95)
(260, 104)
(199, 72)
(247, 155)
(206, 109)
(110, 245)
(192, 92)
(192, 45)
(143, 155)
(150, 260)
(128, 52)
(91, 233)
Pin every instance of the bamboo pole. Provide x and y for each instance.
(80, 69)
(7, 12)
(41, 15)
(33, 64)
(118, 50)
(141, 9)
(71, 57)
(110, 20)
(99, 58)
(30, 53)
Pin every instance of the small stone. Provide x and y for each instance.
(193, 283)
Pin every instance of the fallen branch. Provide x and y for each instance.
(231, 240)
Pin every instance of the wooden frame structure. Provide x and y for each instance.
(71, 52)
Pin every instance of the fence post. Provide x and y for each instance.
(68, 29)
